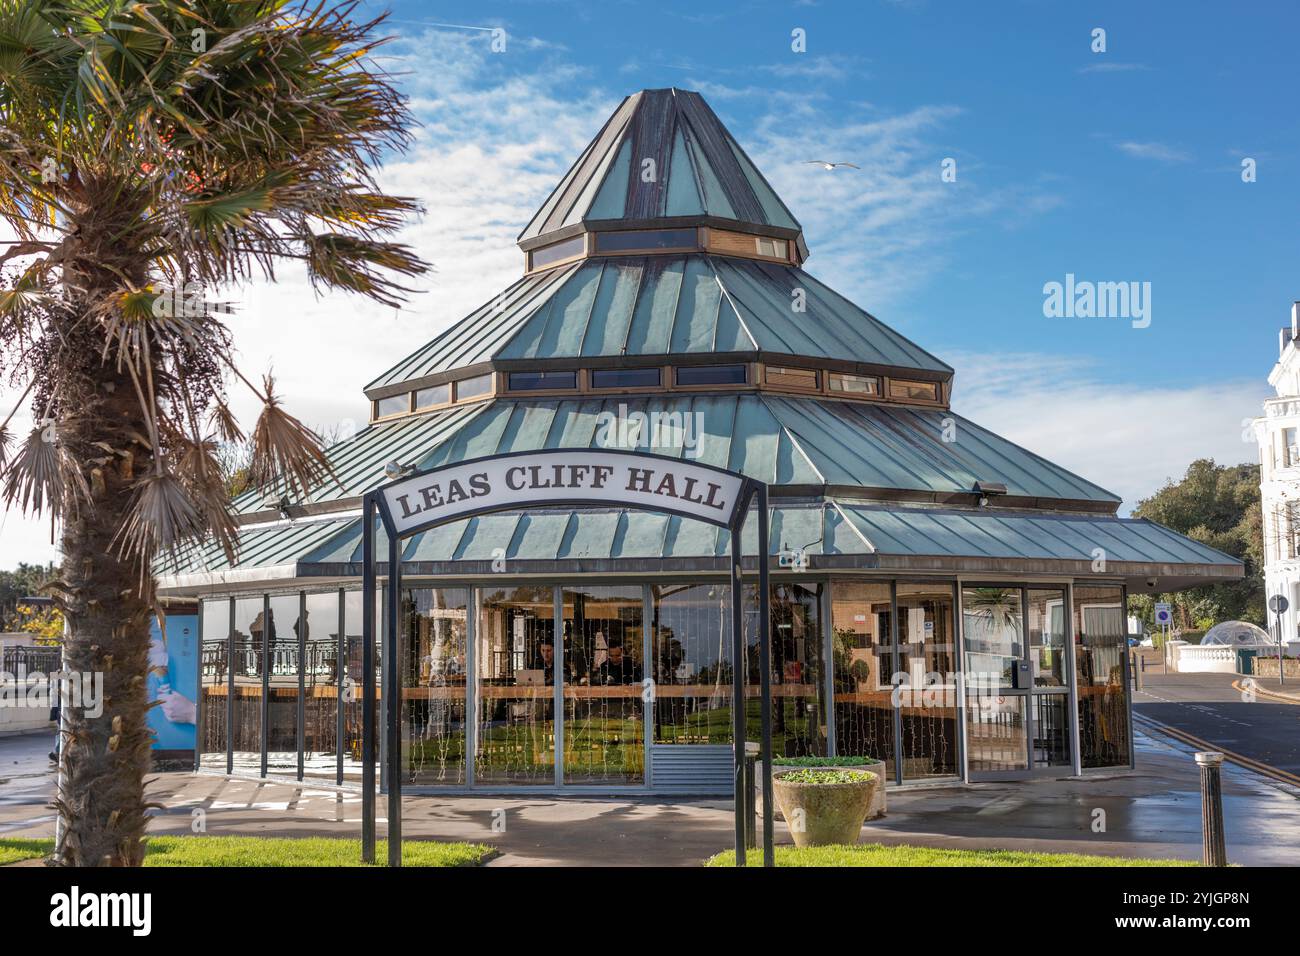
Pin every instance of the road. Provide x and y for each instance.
(1208, 707)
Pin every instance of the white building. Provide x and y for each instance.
(1278, 434)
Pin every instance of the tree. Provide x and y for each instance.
(23, 581)
(1218, 505)
(152, 153)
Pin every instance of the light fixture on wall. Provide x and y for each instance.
(395, 469)
(989, 489)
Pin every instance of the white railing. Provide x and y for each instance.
(1195, 659)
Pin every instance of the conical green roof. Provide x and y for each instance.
(663, 155)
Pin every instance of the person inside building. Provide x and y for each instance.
(546, 658)
(617, 668)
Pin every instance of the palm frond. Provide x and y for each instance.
(286, 453)
(42, 478)
(160, 517)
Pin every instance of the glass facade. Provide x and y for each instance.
(1100, 653)
(589, 685)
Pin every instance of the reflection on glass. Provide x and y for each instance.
(213, 671)
(860, 621)
(247, 723)
(927, 698)
(352, 689)
(433, 655)
(320, 680)
(282, 700)
(691, 629)
(993, 629)
(604, 716)
(516, 658)
(798, 685)
(1047, 638)
(1047, 650)
(1100, 645)
(996, 739)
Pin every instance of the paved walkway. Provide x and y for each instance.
(1154, 811)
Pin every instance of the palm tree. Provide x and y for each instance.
(151, 152)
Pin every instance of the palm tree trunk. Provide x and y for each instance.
(107, 602)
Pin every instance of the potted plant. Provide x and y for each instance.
(877, 767)
(824, 806)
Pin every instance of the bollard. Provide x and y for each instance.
(1214, 852)
(1137, 672)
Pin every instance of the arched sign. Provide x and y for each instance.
(571, 478)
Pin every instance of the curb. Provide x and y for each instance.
(1279, 695)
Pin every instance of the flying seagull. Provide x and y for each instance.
(825, 165)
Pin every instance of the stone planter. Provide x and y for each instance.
(824, 814)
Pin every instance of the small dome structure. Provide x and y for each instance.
(1236, 634)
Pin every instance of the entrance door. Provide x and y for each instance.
(1017, 688)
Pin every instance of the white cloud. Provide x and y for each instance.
(1160, 152)
(1129, 440)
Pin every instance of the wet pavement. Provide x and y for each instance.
(1152, 812)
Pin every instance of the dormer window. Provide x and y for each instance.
(473, 387)
(648, 240)
(393, 405)
(432, 397)
(711, 375)
(541, 381)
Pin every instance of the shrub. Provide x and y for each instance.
(810, 775)
(825, 762)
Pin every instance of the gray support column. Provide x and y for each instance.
(558, 682)
(739, 678)
(959, 685)
(471, 684)
(340, 679)
(392, 700)
(368, 682)
(1067, 618)
(1128, 678)
(895, 711)
(230, 688)
(765, 674)
(827, 612)
(199, 708)
(266, 677)
(302, 680)
(648, 670)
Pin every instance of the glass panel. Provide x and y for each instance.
(864, 716)
(433, 654)
(564, 249)
(854, 384)
(247, 724)
(212, 681)
(1100, 644)
(770, 247)
(320, 677)
(993, 627)
(473, 387)
(604, 732)
(798, 675)
(711, 375)
(925, 391)
(691, 628)
(282, 710)
(1051, 730)
(625, 378)
(393, 405)
(927, 701)
(432, 396)
(514, 650)
(646, 239)
(792, 377)
(539, 381)
(995, 733)
(352, 688)
(1047, 638)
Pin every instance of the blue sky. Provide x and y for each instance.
(1115, 166)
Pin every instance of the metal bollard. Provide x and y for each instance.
(1137, 672)
(1213, 852)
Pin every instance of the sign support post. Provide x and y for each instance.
(368, 682)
